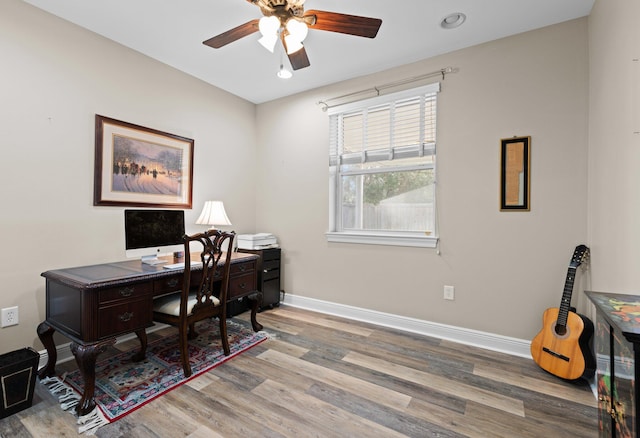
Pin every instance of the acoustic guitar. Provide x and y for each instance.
(563, 346)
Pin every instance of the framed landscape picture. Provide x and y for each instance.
(138, 166)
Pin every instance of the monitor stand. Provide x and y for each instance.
(152, 260)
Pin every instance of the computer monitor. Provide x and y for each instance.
(151, 233)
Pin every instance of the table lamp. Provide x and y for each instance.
(213, 214)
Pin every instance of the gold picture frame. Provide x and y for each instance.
(138, 166)
(515, 174)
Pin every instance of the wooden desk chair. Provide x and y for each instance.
(206, 298)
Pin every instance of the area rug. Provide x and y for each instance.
(122, 386)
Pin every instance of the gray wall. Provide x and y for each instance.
(614, 145)
(507, 267)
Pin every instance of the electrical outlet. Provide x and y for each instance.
(449, 292)
(9, 316)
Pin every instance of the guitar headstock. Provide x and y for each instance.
(580, 255)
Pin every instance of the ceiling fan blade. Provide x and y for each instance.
(232, 35)
(343, 23)
(299, 59)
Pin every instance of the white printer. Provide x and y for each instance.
(256, 241)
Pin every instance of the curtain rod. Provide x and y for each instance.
(377, 89)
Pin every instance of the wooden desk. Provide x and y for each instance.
(92, 305)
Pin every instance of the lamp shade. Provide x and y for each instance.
(268, 27)
(213, 214)
(269, 42)
(296, 33)
(297, 29)
(293, 45)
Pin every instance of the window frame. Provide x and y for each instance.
(387, 237)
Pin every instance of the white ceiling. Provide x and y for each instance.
(172, 32)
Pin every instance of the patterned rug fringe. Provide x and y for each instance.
(69, 399)
(92, 422)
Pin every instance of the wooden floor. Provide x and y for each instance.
(323, 376)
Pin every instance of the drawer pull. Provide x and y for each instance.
(126, 316)
(242, 285)
(242, 268)
(126, 291)
(173, 282)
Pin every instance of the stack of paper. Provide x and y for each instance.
(257, 241)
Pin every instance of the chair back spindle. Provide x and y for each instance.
(214, 281)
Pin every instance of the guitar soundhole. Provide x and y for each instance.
(561, 330)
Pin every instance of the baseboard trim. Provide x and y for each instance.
(489, 341)
(63, 353)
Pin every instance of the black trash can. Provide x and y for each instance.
(17, 379)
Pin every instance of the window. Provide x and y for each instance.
(382, 157)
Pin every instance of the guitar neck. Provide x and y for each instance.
(565, 303)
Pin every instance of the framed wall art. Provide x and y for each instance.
(515, 174)
(138, 166)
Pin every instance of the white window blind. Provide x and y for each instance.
(394, 126)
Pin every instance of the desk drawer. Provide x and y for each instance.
(130, 292)
(241, 268)
(241, 285)
(168, 284)
(124, 317)
(270, 275)
(271, 254)
(270, 270)
(270, 265)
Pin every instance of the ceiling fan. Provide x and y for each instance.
(286, 20)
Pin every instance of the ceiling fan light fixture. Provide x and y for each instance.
(292, 45)
(297, 29)
(269, 42)
(452, 21)
(269, 26)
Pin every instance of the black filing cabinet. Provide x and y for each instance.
(268, 275)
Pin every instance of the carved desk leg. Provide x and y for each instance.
(45, 333)
(140, 355)
(86, 359)
(255, 299)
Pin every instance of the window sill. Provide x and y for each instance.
(414, 240)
